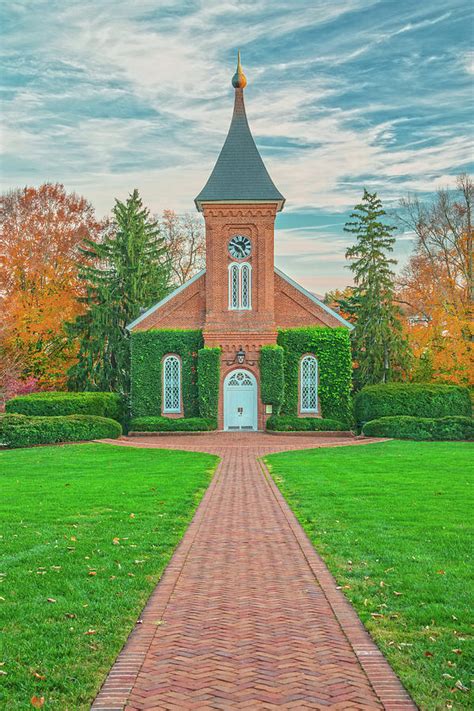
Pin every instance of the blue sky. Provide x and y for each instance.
(107, 95)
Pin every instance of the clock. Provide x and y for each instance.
(239, 247)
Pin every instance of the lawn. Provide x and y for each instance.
(86, 531)
(393, 521)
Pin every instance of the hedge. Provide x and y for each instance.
(272, 376)
(415, 399)
(49, 404)
(291, 423)
(23, 431)
(421, 428)
(148, 349)
(168, 424)
(208, 370)
(332, 348)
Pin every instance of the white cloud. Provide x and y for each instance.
(325, 124)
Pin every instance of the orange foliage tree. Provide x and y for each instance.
(41, 230)
(436, 287)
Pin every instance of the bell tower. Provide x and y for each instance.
(239, 203)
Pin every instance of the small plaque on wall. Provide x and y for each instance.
(268, 409)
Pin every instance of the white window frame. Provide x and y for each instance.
(171, 410)
(236, 301)
(314, 361)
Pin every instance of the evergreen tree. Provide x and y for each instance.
(378, 344)
(125, 273)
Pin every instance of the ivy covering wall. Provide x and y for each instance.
(208, 370)
(272, 376)
(331, 346)
(147, 351)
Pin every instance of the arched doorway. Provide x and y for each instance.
(240, 401)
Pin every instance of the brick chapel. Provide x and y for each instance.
(238, 304)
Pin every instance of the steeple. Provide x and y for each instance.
(239, 175)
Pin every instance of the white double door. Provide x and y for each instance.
(240, 401)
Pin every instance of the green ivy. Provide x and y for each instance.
(209, 370)
(272, 376)
(148, 349)
(331, 346)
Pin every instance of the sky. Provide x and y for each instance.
(108, 95)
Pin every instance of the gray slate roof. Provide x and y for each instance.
(239, 174)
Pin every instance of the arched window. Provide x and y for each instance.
(240, 286)
(309, 384)
(171, 384)
(245, 286)
(234, 282)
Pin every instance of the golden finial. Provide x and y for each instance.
(239, 80)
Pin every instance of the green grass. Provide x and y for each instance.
(393, 521)
(92, 528)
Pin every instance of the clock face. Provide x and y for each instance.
(239, 247)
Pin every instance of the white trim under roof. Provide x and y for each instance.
(314, 299)
(165, 300)
(200, 203)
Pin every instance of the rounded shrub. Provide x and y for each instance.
(414, 399)
(291, 423)
(167, 424)
(50, 404)
(22, 431)
(421, 428)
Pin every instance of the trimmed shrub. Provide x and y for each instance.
(272, 376)
(421, 428)
(332, 348)
(414, 399)
(209, 371)
(168, 424)
(52, 404)
(147, 351)
(22, 431)
(291, 423)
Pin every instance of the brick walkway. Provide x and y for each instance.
(247, 615)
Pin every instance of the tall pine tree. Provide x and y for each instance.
(378, 345)
(126, 272)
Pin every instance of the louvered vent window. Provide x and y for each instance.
(309, 384)
(171, 384)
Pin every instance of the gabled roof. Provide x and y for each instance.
(315, 299)
(239, 175)
(281, 274)
(164, 301)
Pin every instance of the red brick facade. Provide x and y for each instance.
(204, 304)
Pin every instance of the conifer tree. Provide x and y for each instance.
(125, 273)
(378, 345)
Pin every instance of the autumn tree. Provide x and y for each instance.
(41, 230)
(378, 345)
(184, 237)
(124, 274)
(436, 287)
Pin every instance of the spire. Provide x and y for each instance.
(239, 80)
(239, 175)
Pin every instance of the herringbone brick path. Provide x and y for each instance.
(247, 615)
